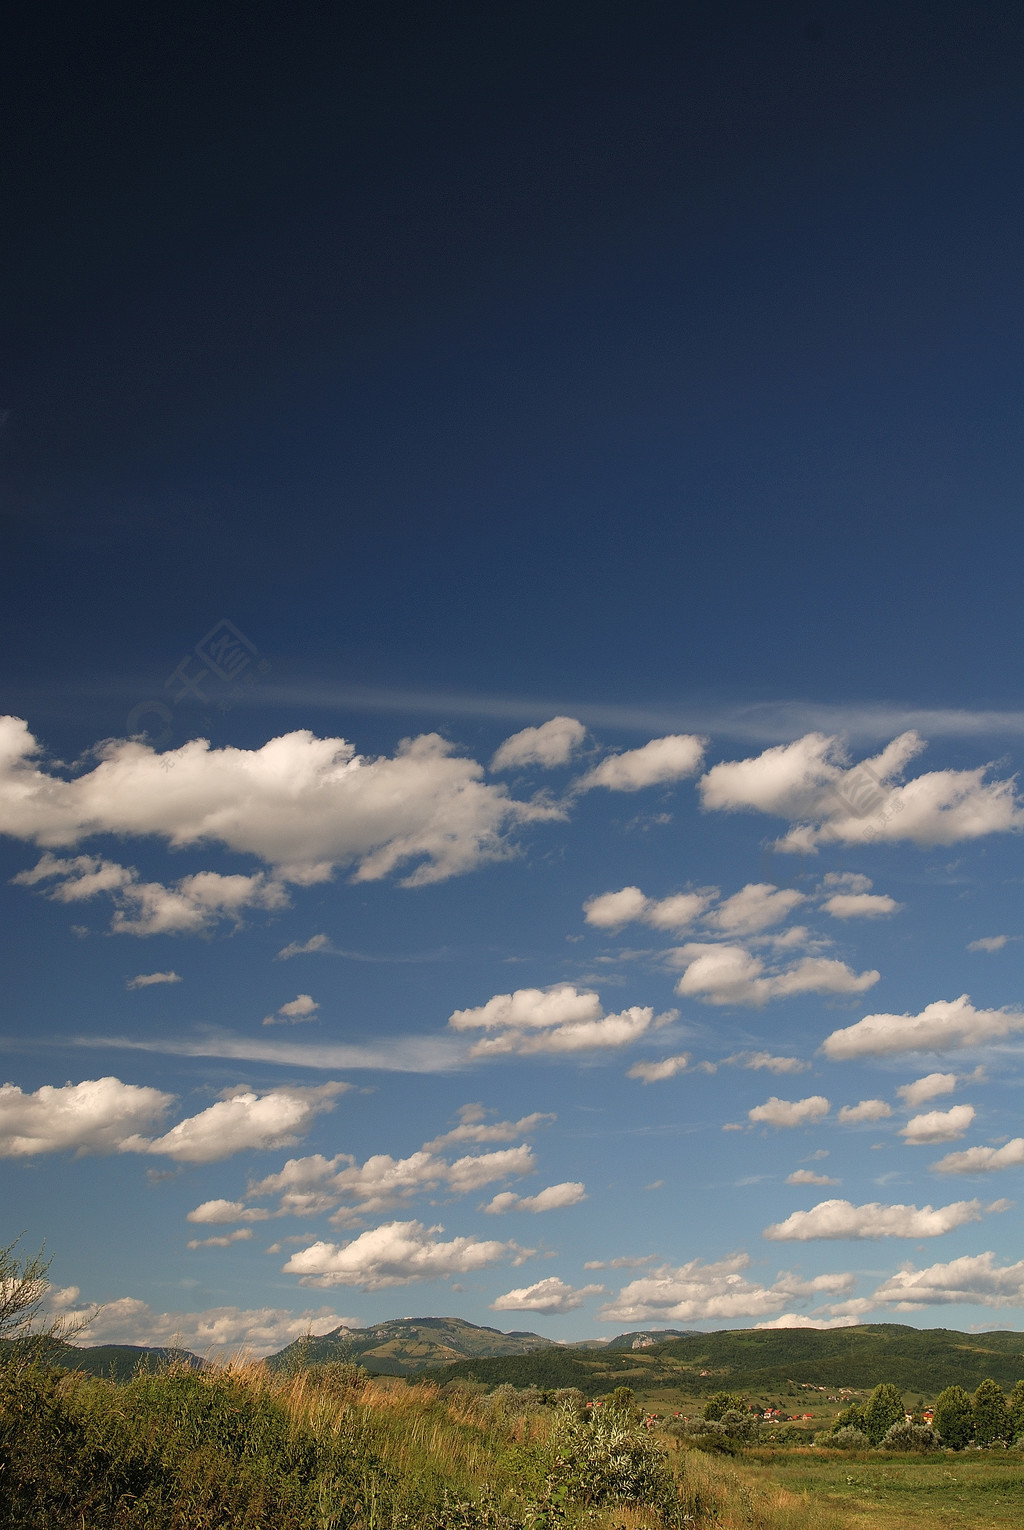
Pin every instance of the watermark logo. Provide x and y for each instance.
(225, 661)
(861, 791)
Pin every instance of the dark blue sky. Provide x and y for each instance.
(656, 366)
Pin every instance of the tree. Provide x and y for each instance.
(852, 1417)
(883, 1409)
(991, 1419)
(954, 1417)
(722, 1402)
(23, 1286)
(1015, 1410)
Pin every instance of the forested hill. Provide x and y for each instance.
(759, 1360)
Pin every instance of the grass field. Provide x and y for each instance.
(833, 1490)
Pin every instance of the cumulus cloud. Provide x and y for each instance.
(944, 1026)
(939, 1125)
(315, 1184)
(811, 783)
(553, 743)
(551, 1295)
(926, 1088)
(300, 804)
(982, 1160)
(221, 1211)
(841, 1219)
(662, 760)
(765, 1060)
(776, 1112)
(188, 907)
(216, 1331)
(808, 1177)
(569, 1193)
(797, 1320)
(730, 974)
(303, 1007)
(651, 1072)
(860, 905)
(95, 1116)
(866, 1110)
(695, 1291)
(974, 1279)
(395, 1254)
(755, 907)
(557, 1019)
(221, 1240)
(988, 943)
(474, 1127)
(150, 979)
(629, 905)
(242, 1122)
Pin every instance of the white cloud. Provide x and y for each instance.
(939, 1125)
(569, 1193)
(860, 905)
(301, 804)
(610, 910)
(776, 1112)
(553, 743)
(395, 1254)
(841, 1219)
(755, 907)
(557, 1019)
(696, 1291)
(95, 1116)
(303, 1007)
(221, 1240)
(766, 1060)
(943, 1026)
(988, 943)
(315, 943)
(974, 1279)
(193, 904)
(797, 1320)
(982, 1160)
(730, 974)
(551, 1295)
(473, 1128)
(867, 1110)
(243, 1122)
(662, 760)
(311, 1185)
(221, 1211)
(846, 882)
(808, 1177)
(149, 979)
(926, 1088)
(629, 905)
(810, 783)
(651, 1072)
(216, 1331)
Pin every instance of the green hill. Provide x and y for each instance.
(403, 1346)
(117, 1362)
(760, 1361)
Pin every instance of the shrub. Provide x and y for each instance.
(606, 1457)
(848, 1438)
(909, 1437)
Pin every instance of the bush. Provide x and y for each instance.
(848, 1438)
(606, 1457)
(910, 1437)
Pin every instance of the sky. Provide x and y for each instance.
(509, 798)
